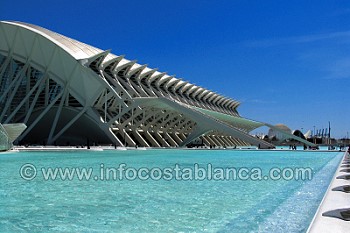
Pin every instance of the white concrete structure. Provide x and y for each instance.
(67, 91)
(4, 139)
(277, 134)
(333, 200)
(9, 133)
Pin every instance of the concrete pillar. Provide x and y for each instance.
(140, 138)
(211, 142)
(160, 139)
(182, 136)
(151, 139)
(227, 143)
(170, 139)
(218, 138)
(127, 139)
(232, 142)
(176, 138)
(205, 140)
(217, 143)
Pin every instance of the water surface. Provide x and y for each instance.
(41, 205)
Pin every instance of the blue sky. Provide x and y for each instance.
(286, 61)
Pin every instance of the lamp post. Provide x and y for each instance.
(329, 132)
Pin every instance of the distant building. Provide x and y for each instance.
(299, 134)
(276, 134)
(68, 92)
(281, 133)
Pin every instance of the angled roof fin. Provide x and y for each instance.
(95, 61)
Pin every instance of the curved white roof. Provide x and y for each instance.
(85, 52)
(75, 48)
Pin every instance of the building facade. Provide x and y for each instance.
(68, 92)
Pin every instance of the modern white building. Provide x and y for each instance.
(68, 92)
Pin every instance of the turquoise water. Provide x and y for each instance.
(41, 205)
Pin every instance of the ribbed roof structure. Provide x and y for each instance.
(67, 92)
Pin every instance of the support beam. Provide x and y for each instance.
(151, 139)
(42, 114)
(210, 141)
(127, 140)
(69, 124)
(170, 139)
(57, 115)
(213, 138)
(36, 86)
(195, 134)
(176, 138)
(161, 140)
(140, 138)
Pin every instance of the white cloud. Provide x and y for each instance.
(260, 101)
(299, 39)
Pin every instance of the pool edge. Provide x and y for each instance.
(332, 200)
